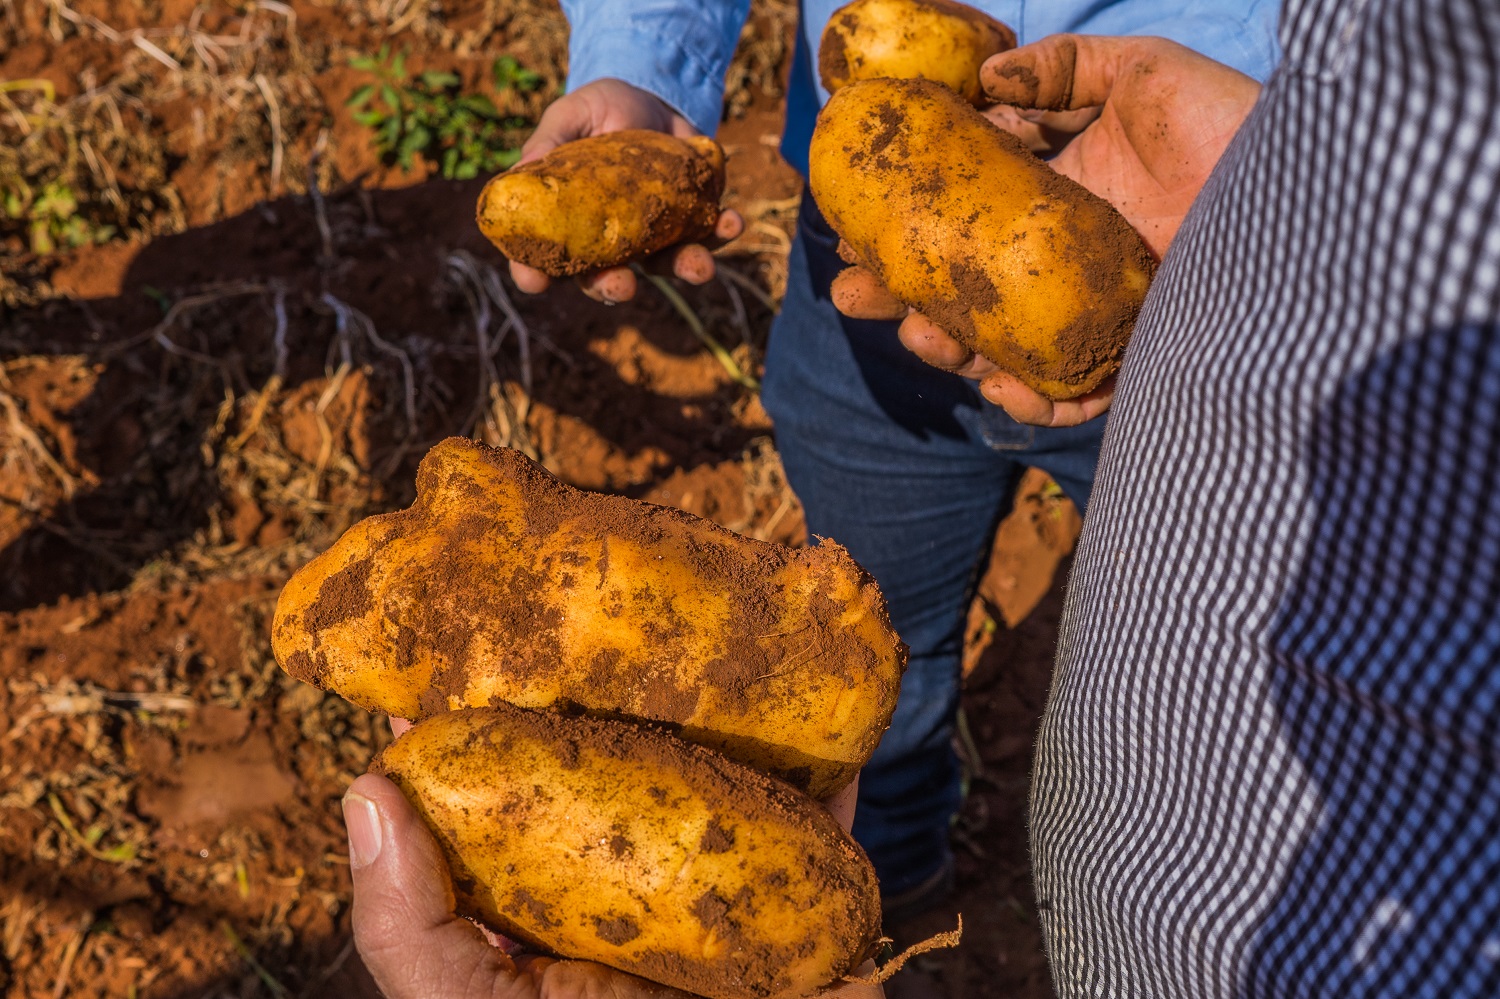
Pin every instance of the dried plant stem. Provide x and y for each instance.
(273, 111)
(725, 359)
(936, 942)
(754, 289)
(29, 437)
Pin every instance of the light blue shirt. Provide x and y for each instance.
(679, 50)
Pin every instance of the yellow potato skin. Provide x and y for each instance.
(501, 584)
(961, 221)
(936, 40)
(604, 201)
(610, 842)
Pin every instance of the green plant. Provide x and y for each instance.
(51, 216)
(426, 115)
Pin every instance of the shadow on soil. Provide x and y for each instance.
(195, 342)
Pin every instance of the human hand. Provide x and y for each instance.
(611, 106)
(415, 947)
(1141, 122)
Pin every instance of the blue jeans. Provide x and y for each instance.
(911, 470)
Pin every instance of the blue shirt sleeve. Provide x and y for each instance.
(678, 50)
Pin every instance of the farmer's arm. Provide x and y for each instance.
(634, 64)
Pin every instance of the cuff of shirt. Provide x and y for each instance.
(645, 60)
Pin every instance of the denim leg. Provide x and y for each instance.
(908, 468)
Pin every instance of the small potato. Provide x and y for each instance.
(502, 584)
(604, 201)
(936, 40)
(609, 842)
(961, 221)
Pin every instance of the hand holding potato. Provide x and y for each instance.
(1165, 116)
(599, 108)
(416, 948)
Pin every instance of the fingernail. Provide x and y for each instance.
(365, 836)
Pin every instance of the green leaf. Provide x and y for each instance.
(390, 132)
(415, 141)
(440, 80)
(389, 97)
(509, 74)
(467, 170)
(369, 119)
(119, 854)
(398, 65)
(365, 63)
(450, 160)
(41, 239)
(506, 158)
(480, 105)
(361, 96)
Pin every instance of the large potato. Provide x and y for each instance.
(606, 841)
(960, 220)
(605, 200)
(501, 583)
(936, 40)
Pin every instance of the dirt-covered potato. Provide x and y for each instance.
(604, 201)
(501, 583)
(960, 220)
(937, 40)
(615, 843)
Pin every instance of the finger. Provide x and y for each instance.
(1061, 72)
(731, 223)
(1026, 405)
(1011, 120)
(932, 344)
(403, 920)
(529, 279)
(693, 263)
(398, 725)
(610, 286)
(841, 804)
(859, 294)
(565, 119)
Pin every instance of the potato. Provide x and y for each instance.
(936, 40)
(960, 220)
(500, 583)
(604, 201)
(611, 842)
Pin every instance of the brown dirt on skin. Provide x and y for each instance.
(692, 184)
(833, 60)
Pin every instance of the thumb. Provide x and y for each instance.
(404, 926)
(567, 118)
(1059, 73)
